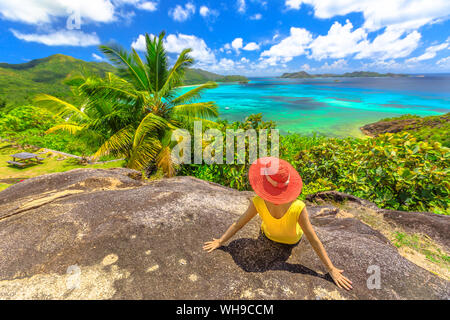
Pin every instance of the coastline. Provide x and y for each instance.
(218, 82)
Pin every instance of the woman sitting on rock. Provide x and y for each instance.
(284, 218)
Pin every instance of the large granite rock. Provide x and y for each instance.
(105, 234)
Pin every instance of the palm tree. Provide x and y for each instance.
(149, 92)
(95, 117)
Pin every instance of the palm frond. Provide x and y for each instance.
(144, 69)
(204, 110)
(70, 128)
(194, 94)
(150, 125)
(181, 121)
(126, 62)
(118, 144)
(165, 162)
(176, 74)
(96, 89)
(145, 153)
(156, 61)
(60, 107)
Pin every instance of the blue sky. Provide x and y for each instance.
(250, 37)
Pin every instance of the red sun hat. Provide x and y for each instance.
(275, 180)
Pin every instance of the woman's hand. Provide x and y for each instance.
(340, 280)
(212, 245)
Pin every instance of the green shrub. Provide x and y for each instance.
(27, 125)
(395, 171)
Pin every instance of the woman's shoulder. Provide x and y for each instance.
(257, 200)
(300, 205)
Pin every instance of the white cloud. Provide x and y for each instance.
(148, 6)
(306, 67)
(182, 14)
(343, 41)
(207, 12)
(391, 44)
(175, 43)
(340, 64)
(242, 6)
(48, 11)
(60, 38)
(404, 14)
(431, 52)
(204, 11)
(38, 11)
(226, 64)
(237, 44)
(257, 16)
(292, 46)
(340, 42)
(97, 57)
(252, 46)
(245, 60)
(444, 63)
(139, 43)
(385, 65)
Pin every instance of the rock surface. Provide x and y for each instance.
(394, 126)
(105, 234)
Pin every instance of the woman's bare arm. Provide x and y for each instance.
(308, 230)
(235, 227)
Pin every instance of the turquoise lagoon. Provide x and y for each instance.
(332, 106)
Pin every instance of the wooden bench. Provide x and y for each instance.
(15, 163)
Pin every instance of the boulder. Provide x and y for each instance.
(106, 234)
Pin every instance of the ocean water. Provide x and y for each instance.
(333, 107)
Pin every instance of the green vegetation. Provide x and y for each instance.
(423, 245)
(49, 75)
(198, 76)
(133, 116)
(43, 75)
(431, 128)
(395, 171)
(27, 125)
(356, 74)
(52, 163)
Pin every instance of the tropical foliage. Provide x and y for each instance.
(135, 114)
(396, 171)
(26, 125)
(393, 170)
(233, 175)
(431, 128)
(48, 75)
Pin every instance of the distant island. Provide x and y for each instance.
(19, 83)
(199, 76)
(355, 74)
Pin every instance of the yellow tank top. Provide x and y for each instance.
(286, 229)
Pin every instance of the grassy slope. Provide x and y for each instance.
(19, 83)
